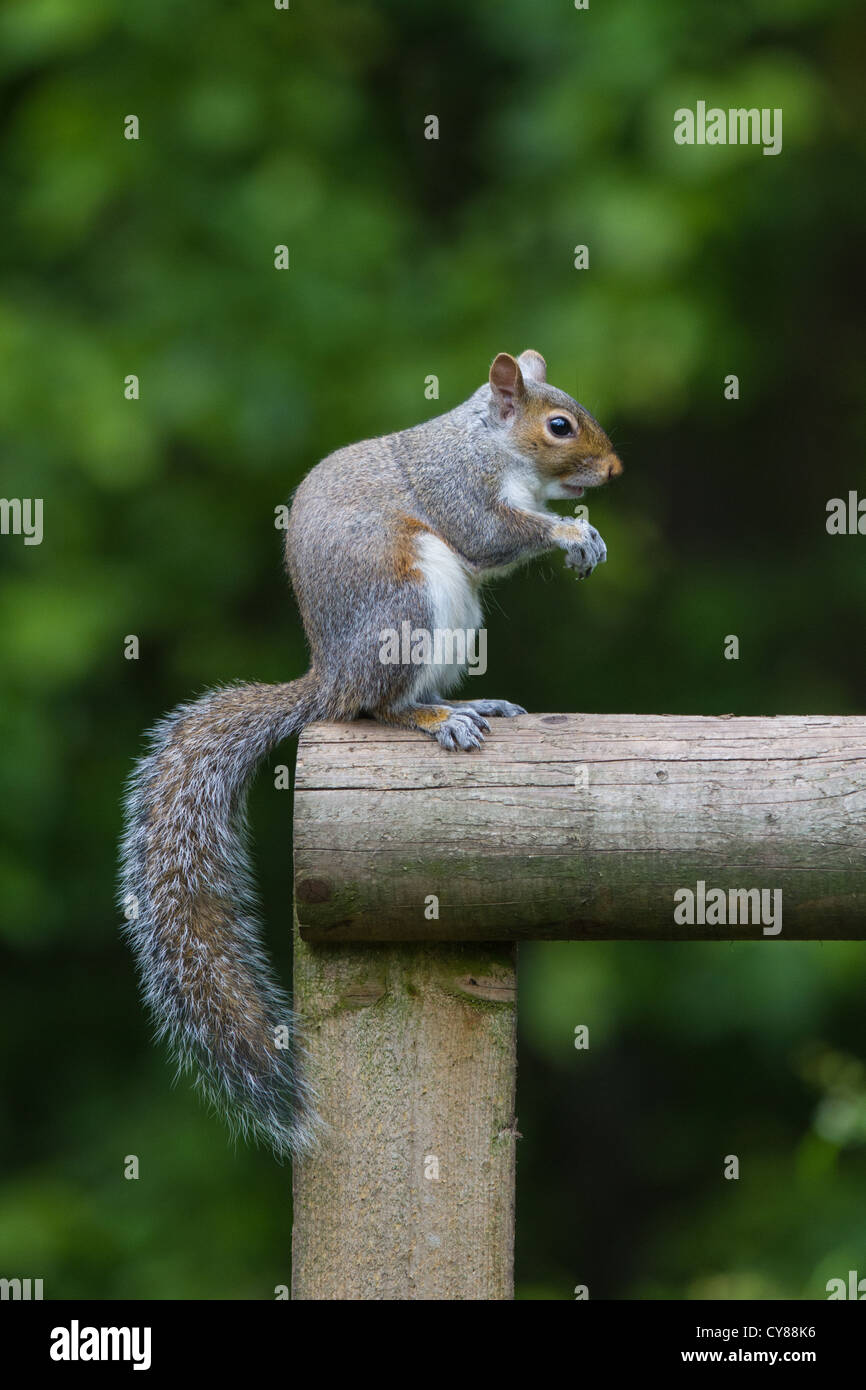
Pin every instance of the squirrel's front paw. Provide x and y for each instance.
(586, 550)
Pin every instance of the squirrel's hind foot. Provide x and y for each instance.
(453, 723)
(494, 709)
(451, 728)
(461, 729)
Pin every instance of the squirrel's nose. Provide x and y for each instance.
(614, 466)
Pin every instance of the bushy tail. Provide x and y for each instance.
(190, 907)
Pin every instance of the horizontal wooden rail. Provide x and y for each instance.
(583, 826)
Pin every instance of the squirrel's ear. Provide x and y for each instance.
(533, 365)
(506, 383)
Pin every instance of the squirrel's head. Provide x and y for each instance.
(567, 447)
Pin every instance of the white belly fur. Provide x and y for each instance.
(454, 601)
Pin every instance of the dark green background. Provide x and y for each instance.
(411, 257)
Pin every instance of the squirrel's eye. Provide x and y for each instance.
(559, 426)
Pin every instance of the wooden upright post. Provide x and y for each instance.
(411, 1193)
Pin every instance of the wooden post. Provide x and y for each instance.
(411, 1194)
(414, 867)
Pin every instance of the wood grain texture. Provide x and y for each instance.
(580, 826)
(411, 1192)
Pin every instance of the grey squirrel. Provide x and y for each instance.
(404, 528)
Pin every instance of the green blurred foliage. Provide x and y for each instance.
(411, 257)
